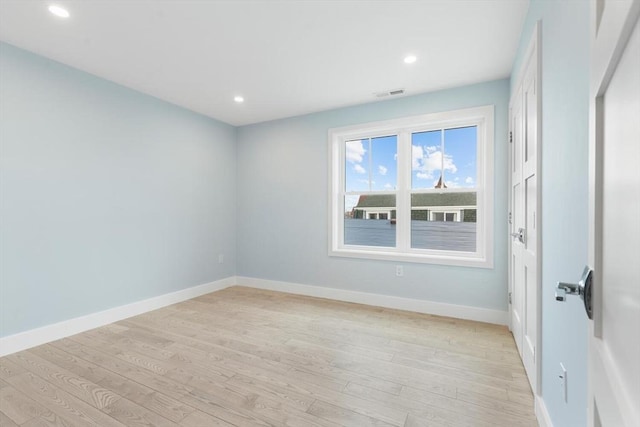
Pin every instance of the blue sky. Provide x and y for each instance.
(372, 164)
(460, 162)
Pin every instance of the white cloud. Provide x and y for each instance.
(355, 151)
(434, 161)
(416, 156)
(428, 162)
(388, 186)
(469, 180)
(359, 169)
(382, 170)
(366, 181)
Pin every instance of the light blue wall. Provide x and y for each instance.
(282, 205)
(108, 196)
(565, 126)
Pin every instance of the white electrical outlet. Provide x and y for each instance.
(399, 271)
(563, 382)
(220, 258)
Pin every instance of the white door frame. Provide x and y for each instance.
(613, 24)
(533, 52)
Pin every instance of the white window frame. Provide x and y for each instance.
(483, 118)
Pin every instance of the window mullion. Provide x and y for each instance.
(341, 190)
(403, 213)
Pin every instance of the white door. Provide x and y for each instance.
(524, 225)
(614, 336)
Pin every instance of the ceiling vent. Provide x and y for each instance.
(389, 93)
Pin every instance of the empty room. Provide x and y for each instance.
(320, 213)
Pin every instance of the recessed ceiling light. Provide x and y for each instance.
(238, 99)
(410, 59)
(59, 11)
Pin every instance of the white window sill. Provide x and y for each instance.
(435, 257)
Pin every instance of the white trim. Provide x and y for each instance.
(483, 118)
(419, 306)
(542, 415)
(34, 337)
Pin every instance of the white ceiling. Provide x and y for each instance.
(285, 57)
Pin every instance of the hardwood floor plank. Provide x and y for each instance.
(5, 421)
(146, 397)
(290, 398)
(130, 414)
(248, 357)
(127, 370)
(278, 408)
(200, 419)
(378, 410)
(78, 386)
(49, 420)
(438, 414)
(473, 411)
(9, 369)
(18, 407)
(219, 408)
(413, 421)
(60, 402)
(500, 405)
(346, 417)
(163, 405)
(78, 366)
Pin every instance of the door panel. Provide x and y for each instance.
(517, 276)
(523, 204)
(531, 108)
(621, 214)
(614, 345)
(531, 203)
(529, 249)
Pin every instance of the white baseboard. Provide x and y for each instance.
(378, 300)
(34, 337)
(544, 420)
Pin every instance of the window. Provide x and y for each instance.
(417, 189)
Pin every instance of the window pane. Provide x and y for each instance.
(384, 158)
(371, 164)
(460, 147)
(369, 220)
(457, 168)
(444, 221)
(426, 159)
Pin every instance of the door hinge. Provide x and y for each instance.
(510, 137)
(509, 297)
(510, 218)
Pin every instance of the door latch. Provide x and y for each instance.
(519, 235)
(582, 289)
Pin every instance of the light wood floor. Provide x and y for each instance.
(247, 357)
